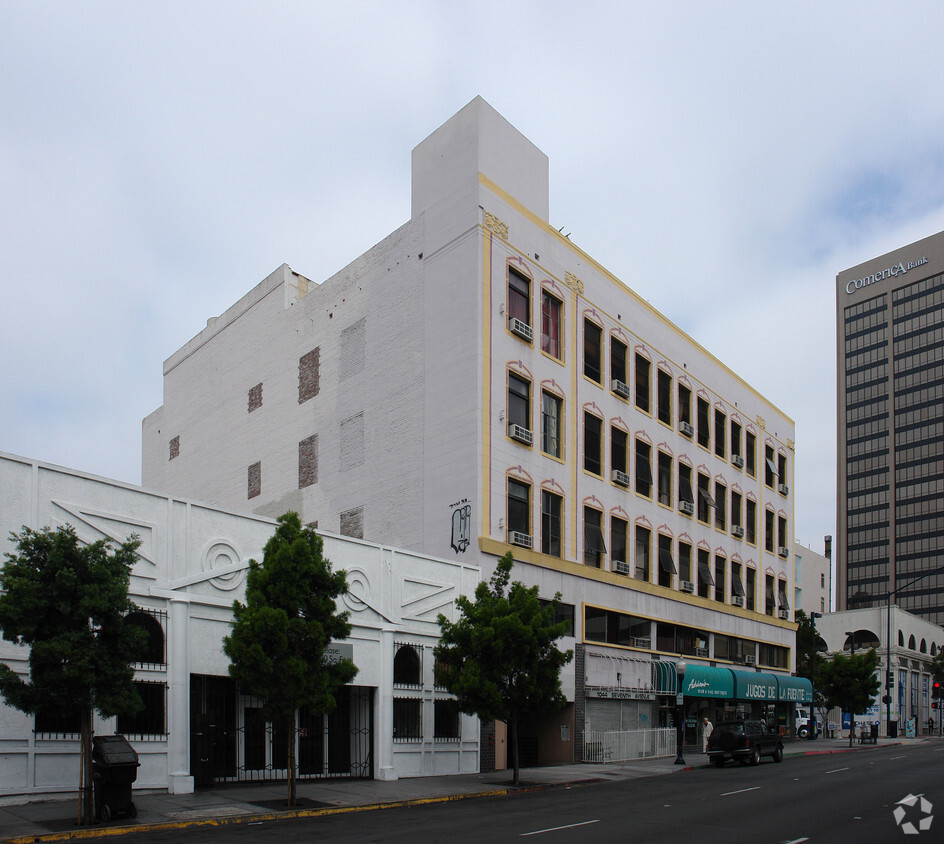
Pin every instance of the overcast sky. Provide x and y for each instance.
(726, 160)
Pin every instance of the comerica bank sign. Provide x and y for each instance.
(890, 272)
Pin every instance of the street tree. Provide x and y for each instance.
(810, 658)
(499, 657)
(67, 602)
(277, 645)
(850, 683)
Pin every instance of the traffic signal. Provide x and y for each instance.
(936, 690)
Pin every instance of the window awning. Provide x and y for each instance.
(784, 603)
(665, 561)
(754, 685)
(704, 573)
(736, 586)
(772, 466)
(794, 689)
(705, 681)
(706, 497)
(593, 538)
(685, 489)
(664, 678)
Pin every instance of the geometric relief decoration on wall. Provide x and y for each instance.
(217, 556)
(111, 526)
(358, 597)
(424, 600)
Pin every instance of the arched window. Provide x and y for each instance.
(406, 667)
(154, 649)
(933, 649)
(901, 639)
(923, 647)
(911, 643)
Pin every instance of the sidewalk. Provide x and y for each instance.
(52, 817)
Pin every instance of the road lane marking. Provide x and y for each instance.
(837, 770)
(796, 841)
(740, 791)
(896, 757)
(556, 828)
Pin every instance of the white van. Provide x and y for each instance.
(803, 724)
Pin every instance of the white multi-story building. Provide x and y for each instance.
(476, 384)
(812, 572)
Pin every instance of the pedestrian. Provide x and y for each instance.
(706, 729)
(931, 725)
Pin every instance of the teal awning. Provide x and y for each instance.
(754, 685)
(704, 681)
(664, 678)
(795, 689)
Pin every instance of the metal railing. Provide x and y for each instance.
(627, 745)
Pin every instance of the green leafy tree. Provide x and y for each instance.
(499, 658)
(67, 602)
(849, 682)
(277, 646)
(810, 659)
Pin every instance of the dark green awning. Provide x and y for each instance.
(704, 681)
(795, 689)
(755, 685)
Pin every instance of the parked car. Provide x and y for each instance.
(746, 741)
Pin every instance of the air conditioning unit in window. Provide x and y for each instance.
(737, 601)
(686, 586)
(522, 329)
(783, 489)
(687, 507)
(750, 659)
(520, 433)
(783, 551)
(620, 477)
(784, 614)
(641, 643)
(620, 567)
(702, 652)
(620, 388)
(687, 429)
(737, 460)
(521, 539)
(738, 531)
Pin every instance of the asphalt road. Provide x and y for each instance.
(825, 798)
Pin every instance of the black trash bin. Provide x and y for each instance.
(114, 769)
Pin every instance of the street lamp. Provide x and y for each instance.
(680, 667)
(852, 638)
(889, 682)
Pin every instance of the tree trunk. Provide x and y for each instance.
(514, 747)
(86, 803)
(291, 759)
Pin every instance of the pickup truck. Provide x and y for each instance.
(746, 741)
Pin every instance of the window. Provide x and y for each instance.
(685, 561)
(685, 486)
(619, 531)
(782, 533)
(782, 468)
(445, 719)
(407, 720)
(705, 580)
(254, 480)
(737, 586)
(750, 454)
(703, 419)
(550, 325)
(619, 440)
(592, 443)
(643, 469)
(666, 563)
(643, 546)
(685, 405)
(720, 432)
(643, 398)
(551, 424)
(55, 724)
(664, 396)
(617, 360)
(665, 479)
(407, 667)
(562, 612)
(551, 508)
(769, 595)
(308, 375)
(519, 508)
(769, 530)
(152, 720)
(736, 509)
(519, 402)
(782, 601)
(519, 296)
(721, 495)
(735, 439)
(750, 600)
(592, 351)
(719, 578)
(822, 580)
(705, 501)
(594, 548)
(150, 622)
(255, 397)
(750, 525)
(308, 461)
(770, 468)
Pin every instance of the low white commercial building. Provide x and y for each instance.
(392, 720)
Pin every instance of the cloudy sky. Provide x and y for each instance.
(725, 160)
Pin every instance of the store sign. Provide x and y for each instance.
(619, 694)
(889, 272)
(337, 651)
